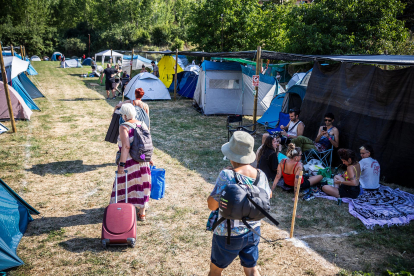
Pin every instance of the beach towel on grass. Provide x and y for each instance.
(384, 206)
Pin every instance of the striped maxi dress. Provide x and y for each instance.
(139, 179)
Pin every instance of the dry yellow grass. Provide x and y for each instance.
(60, 164)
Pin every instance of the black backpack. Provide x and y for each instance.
(141, 148)
(243, 202)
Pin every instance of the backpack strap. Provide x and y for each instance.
(254, 231)
(275, 222)
(228, 231)
(217, 223)
(256, 181)
(132, 125)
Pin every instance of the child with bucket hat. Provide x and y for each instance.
(244, 243)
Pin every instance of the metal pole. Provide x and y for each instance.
(6, 90)
(175, 76)
(295, 205)
(258, 59)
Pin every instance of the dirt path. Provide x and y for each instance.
(67, 175)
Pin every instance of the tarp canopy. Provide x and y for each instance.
(55, 56)
(226, 88)
(107, 53)
(251, 62)
(370, 105)
(30, 88)
(14, 66)
(20, 109)
(154, 89)
(14, 218)
(166, 69)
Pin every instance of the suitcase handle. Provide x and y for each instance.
(126, 186)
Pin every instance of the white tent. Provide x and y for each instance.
(35, 58)
(192, 68)
(20, 109)
(223, 88)
(107, 53)
(154, 88)
(16, 64)
(295, 79)
(70, 63)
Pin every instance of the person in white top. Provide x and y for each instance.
(370, 168)
(295, 127)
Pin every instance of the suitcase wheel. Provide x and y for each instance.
(105, 243)
(131, 242)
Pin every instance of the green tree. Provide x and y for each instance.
(345, 27)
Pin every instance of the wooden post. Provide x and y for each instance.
(6, 90)
(386, 66)
(258, 71)
(202, 58)
(12, 50)
(295, 205)
(175, 76)
(21, 51)
(24, 53)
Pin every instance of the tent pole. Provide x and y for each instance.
(12, 50)
(6, 90)
(295, 205)
(175, 76)
(258, 59)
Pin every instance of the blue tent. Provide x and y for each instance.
(186, 84)
(30, 88)
(87, 61)
(14, 218)
(18, 86)
(55, 56)
(31, 71)
(271, 116)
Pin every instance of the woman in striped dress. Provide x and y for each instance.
(139, 173)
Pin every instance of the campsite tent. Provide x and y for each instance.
(183, 59)
(271, 116)
(71, 63)
(20, 109)
(223, 88)
(137, 63)
(107, 53)
(56, 56)
(31, 71)
(35, 58)
(192, 67)
(30, 88)
(294, 97)
(166, 68)
(87, 61)
(297, 77)
(154, 89)
(186, 84)
(14, 218)
(3, 128)
(371, 106)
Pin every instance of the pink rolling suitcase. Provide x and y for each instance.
(119, 225)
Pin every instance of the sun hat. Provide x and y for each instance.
(240, 148)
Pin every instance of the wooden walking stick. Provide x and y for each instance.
(295, 205)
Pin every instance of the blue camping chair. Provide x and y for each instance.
(324, 156)
(283, 120)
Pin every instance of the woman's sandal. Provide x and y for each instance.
(141, 217)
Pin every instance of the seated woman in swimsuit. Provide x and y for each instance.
(346, 185)
(291, 167)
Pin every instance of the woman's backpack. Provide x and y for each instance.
(141, 148)
(243, 202)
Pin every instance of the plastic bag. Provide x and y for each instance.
(157, 183)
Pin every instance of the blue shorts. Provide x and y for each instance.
(245, 246)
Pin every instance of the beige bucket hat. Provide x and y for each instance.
(240, 148)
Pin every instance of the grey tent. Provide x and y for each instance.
(20, 109)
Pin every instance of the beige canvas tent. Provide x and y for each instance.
(20, 109)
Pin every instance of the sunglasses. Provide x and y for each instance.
(328, 120)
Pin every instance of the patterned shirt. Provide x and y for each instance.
(227, 177)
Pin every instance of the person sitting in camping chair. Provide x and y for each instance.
(294, 128)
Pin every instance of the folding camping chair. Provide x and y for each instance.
(283, 121)
(235, 123)
(324, 156)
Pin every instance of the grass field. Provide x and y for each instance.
(59, 163)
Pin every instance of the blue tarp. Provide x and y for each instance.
(271, 116)
(18, 86)
(220, 66)
(30, 88)
(14, 218)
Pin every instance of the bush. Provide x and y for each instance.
(177, 44)
(73, 46)
(160, 35)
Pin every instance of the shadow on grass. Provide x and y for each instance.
(49, 224)
(65, 167)
(78, 245)
(81, 99)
